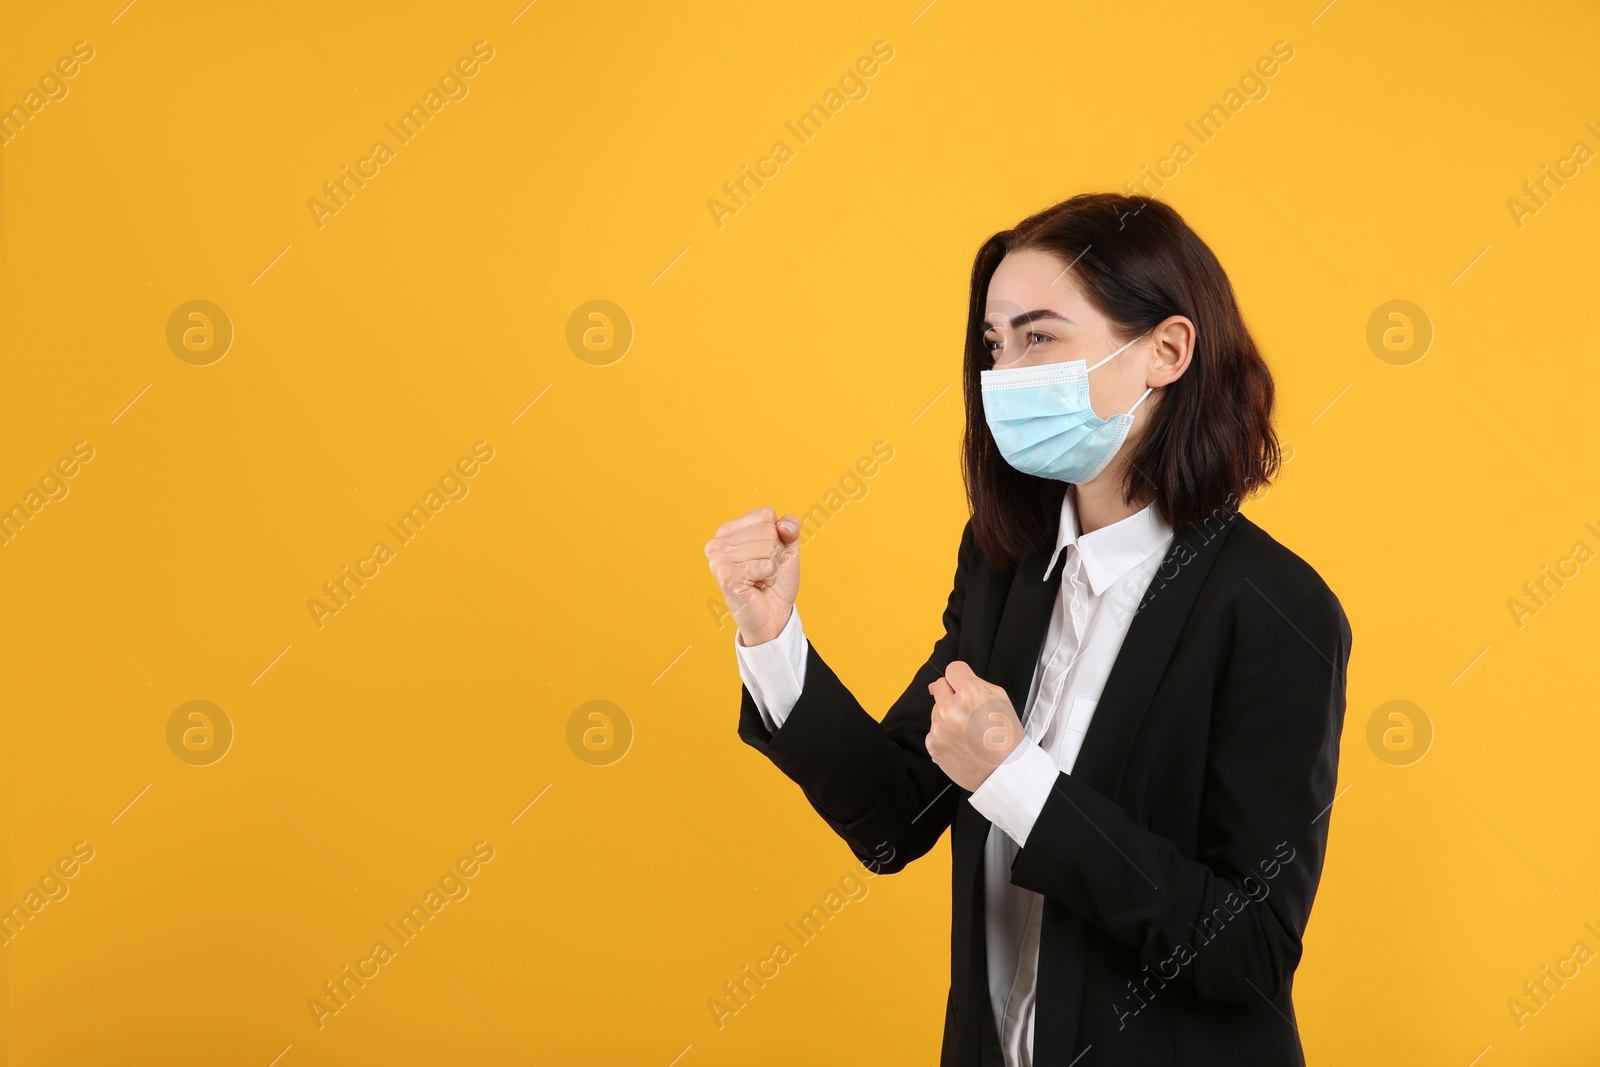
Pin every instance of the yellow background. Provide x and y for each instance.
(769, 355)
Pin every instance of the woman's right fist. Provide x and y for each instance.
(756, 562)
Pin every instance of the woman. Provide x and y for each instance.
(1131, 724)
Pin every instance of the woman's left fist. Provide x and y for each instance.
(973, 727)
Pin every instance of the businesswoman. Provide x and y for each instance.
(1131, 724)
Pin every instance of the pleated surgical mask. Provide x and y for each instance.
(1043, 423)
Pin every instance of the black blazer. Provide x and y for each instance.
(1179, 859)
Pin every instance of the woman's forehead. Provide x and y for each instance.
(1039, 283)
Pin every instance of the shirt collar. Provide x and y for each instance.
(1111, 551)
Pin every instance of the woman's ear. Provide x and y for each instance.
(1174, 348)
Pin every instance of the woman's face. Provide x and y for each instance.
(1036, 314)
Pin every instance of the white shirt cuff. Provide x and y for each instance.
(1015, 792)
(775, 671)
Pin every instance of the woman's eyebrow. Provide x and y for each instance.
(1034, 316)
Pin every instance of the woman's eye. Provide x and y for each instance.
(994, 344)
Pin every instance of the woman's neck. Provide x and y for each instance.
(1099, 503)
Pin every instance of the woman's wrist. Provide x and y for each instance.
(750, 640)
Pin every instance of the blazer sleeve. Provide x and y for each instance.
(872, 782)
(1230, 920)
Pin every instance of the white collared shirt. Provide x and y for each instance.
(1105, 575)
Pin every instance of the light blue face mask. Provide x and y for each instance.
(1043, 423)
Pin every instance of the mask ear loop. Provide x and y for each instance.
(1113, 355)
(1118, 352)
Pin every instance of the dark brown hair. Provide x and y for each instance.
(1209, 441)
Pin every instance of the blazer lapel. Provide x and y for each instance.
(1146, 650)
(1023, 624)
(1019, 635)
(1024, 619)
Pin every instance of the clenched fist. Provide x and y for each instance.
(756, 561)
(973, 728)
